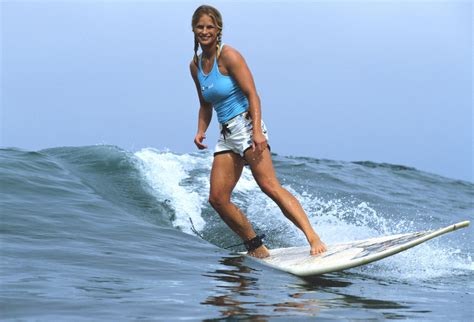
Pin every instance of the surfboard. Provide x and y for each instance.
(338, 257)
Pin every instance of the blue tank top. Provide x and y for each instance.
(222, 92)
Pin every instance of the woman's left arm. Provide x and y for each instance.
(238, 69)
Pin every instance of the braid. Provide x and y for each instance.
(219, 42)
(196, 47)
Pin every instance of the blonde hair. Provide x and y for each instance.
(216, 18)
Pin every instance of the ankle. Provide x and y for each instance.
(314, 239)
(260, 252)
(254, 243)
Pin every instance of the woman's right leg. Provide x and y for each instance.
(226, 171)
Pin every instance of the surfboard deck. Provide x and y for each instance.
(338, 257)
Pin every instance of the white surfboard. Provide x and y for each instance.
(296, 260)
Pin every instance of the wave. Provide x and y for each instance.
(170, 190)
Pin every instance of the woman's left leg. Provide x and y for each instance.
(264, 173)
(226, 171)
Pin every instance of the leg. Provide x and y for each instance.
(226, 171)
(264, 173)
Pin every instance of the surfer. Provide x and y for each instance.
(225, 83)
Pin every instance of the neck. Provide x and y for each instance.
(209, 51)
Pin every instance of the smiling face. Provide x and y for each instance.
(207, 28)
(206, 31)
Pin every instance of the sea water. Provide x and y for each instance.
(100, 233)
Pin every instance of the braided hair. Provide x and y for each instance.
(216, 17)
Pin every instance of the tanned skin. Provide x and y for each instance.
(227, 167)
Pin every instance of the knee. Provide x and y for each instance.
(217, 201)
(271, 189)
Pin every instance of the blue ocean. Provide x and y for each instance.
(100, 233)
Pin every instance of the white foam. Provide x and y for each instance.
(328, 217)
(335, 220)
(338, 221)
(357, 220)
(431, 260)
(246, 182)
(165, 173)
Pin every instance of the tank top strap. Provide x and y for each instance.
(218, 53)
(220, 50)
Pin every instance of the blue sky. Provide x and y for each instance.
(385, 81)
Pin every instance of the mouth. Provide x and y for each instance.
(204, 38)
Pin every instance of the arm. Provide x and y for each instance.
(238, 69)
(205, 112)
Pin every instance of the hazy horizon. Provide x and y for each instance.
(380, 81)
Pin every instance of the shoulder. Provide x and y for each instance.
(231, 56)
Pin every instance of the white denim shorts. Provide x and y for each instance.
(236, 135)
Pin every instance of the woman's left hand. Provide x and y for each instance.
(259, 143)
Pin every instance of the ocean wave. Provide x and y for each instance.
(170, 190)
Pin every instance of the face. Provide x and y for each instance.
(206, 31)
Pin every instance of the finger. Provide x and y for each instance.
(198, 141)
(199, 145)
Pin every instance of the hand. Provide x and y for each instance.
(259, 142)
(198, 141)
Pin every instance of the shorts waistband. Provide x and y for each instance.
(226, 123)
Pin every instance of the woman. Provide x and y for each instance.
(224, 82)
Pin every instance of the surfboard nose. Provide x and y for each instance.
(461, 224)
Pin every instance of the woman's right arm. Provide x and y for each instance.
(205, 112)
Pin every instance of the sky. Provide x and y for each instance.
(382, 81)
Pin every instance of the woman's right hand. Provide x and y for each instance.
(198, 141)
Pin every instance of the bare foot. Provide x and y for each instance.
(260, 252)
(317, 247)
